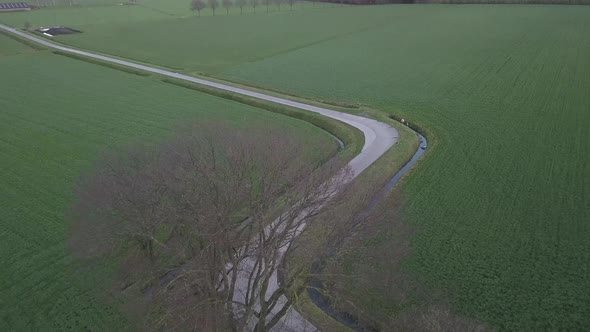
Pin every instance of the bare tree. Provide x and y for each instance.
(291, 3)
(227, 5)
(241, 4)
(209, 217)
(254, 3)
(278, 2)
(267, 4)
(197, 5)
(213, 4)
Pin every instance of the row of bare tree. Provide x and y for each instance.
(200, 225)
(198, 5)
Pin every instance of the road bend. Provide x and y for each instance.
(379, 137)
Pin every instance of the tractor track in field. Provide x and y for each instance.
(378, 136)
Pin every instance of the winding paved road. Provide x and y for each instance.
(379, 137)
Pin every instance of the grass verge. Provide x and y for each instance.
(51, 130)
(22, 40)
(104, 63)
(352, 138)
(375, 176)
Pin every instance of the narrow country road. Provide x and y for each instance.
(379, 137)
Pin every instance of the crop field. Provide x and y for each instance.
(108, 30)
(11, 47)
(56, 116)
(95, 15)
(500, 205)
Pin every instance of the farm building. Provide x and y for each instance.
(14, 7)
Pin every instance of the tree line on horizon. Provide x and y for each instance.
(524, 2)
(199, 5)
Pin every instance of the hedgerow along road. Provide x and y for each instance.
(378, 136)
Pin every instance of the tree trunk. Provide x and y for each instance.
(150, 249)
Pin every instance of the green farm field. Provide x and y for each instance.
(56, 116)
(501, 202)
(95, 15)
(501, 205)
(11, 47)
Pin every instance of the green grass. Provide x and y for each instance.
(9, 46)
(157, 33)
(501, 203)
(94, 16)
(83, 16)
(56, 116)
